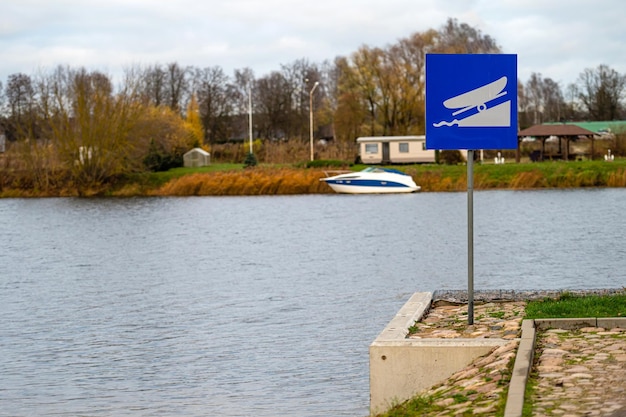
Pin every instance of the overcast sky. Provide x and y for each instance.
(557, 38)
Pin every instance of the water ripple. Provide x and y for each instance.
(259, 306)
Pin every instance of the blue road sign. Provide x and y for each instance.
(471, 101)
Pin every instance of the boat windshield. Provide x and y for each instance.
(381, 170)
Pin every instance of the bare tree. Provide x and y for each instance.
(553, 100)
(154, 81)
(242, 97)
(455, 37)
(2, 98)
(3, 120)
(328, 103)
(601, 91)
(216, 102)
(167, 85)
(20, 97)
(273, 104)
(544, 99)
(573, 107)
(329, 76)
(523, 106)
(300, 77)
(534, 91)
(177, 86)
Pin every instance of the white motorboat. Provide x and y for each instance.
(372, 180)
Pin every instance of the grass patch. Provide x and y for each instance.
(574, 306)
(413, 407)
(460, 398)
(496, 314)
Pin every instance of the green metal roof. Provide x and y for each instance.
(614, 126)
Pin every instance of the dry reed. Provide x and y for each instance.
(617, 178)
(254, 181)
(527, 180)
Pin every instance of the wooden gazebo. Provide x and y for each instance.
(561, 131)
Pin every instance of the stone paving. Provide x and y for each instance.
(479, 388)
(578, 373)
(491, 320)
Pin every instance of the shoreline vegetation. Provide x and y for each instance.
(276, 179)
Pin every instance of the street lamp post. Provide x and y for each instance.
(250, 115)
(311, 115)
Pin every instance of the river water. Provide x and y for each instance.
(259, 306)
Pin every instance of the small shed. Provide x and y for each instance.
(196, 157)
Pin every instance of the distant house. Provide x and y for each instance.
(197, 157)
(394, 150)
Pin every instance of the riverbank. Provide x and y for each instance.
(231, 180)
(576, 372)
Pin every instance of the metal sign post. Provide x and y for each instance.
(470, 237)
(471, 103)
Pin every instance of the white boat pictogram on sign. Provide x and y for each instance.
(483, 116)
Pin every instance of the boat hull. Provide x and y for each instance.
(356, 186)
(364, 189)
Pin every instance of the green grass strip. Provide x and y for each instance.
(575, 306)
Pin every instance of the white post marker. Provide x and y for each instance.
(250, 115)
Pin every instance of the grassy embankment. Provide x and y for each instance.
(233, 179)
(566, 306)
